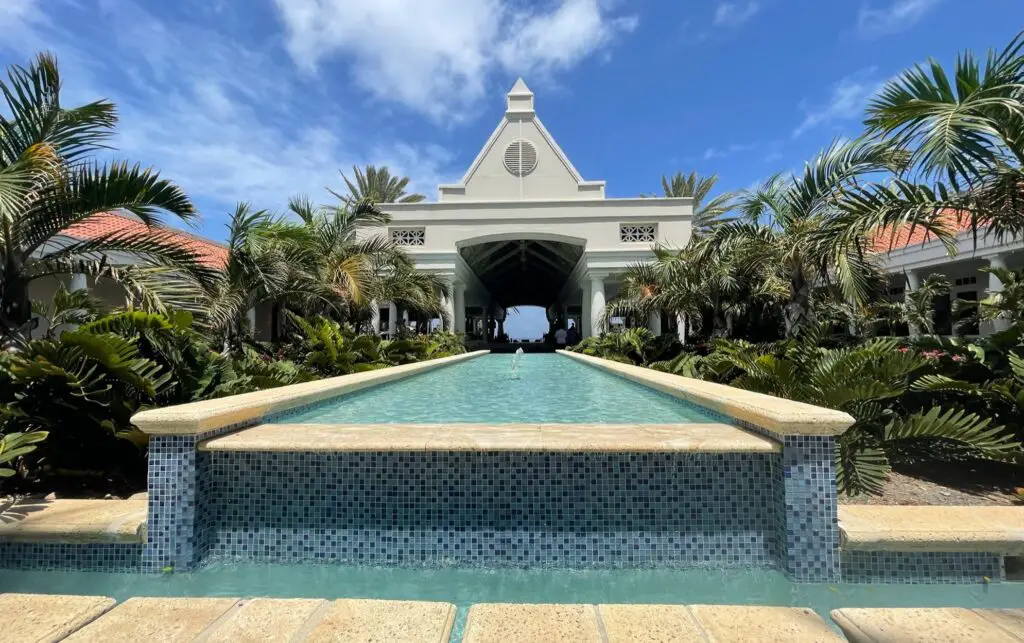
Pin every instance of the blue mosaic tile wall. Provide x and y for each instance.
(806, 506)
(95, 557)
(921, 567)
(178, 485)
(493, 509)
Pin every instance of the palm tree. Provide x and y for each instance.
(697, 187)
(376, 185)
(48, 183)
(964, 133)
(329, 236)
(259, 269)
(792, 234)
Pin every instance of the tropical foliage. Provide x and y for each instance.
(49, 183)
(377, 185)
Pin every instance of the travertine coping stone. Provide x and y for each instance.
(44, 618)
(664, 438)
(930, 625)
(776, 414)
(521, 623)
(727, 623)
(518, 623)
(384, 621)
(926, 528)
(650, 623)
(208, 415)
(75, 521)
(155, 619)
(267, 620)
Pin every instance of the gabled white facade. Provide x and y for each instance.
(524, 205)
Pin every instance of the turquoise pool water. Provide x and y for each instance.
(464, 587)
(546, 388)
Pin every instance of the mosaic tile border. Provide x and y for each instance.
(93, 557)
(921, 567)
(494, 509)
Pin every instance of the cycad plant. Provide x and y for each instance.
(48, 183)
(873, 382)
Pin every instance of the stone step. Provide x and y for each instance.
(930, 625)
(233, 620)
(49, 617)
(521, 623)
(997, 530)
(75, 521)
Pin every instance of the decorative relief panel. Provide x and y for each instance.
(408, 236)
(638, 232)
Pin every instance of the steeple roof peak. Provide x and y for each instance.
(520, 89)
(520, 99)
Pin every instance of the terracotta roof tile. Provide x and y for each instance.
(887, 239)
(210, 253)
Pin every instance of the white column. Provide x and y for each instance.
(585, 329)
(449, 308)
(78, 282)
(250, 316)
(596, 304)
(460, 307)
(654, 322)
(681, 327)
(374, 318)
(392, 319)
(995, 287)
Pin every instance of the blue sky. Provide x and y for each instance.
(258, 100)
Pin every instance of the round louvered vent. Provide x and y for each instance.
(520, 157)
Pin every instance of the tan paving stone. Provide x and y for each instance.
(75, 521)
(918, 625)
(168, 620)
(650, 624)
(1011, 620)
(729, 623)
(366, 621)
(266, 619)
(522, 623)
(928, 528)
(41, 618)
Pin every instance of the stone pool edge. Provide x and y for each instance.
(237, 411)
(775, 414)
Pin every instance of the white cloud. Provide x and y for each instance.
(898, 16)
(729, 14)
(226, 121)
(847, 100)
(435, 55)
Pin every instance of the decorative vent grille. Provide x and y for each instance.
(408, 236)
(638, 233)
(520, 157)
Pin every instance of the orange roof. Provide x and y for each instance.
(886, 239)
(210, 253)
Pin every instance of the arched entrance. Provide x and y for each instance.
(516, 270)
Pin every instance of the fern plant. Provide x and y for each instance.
(874, 382)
